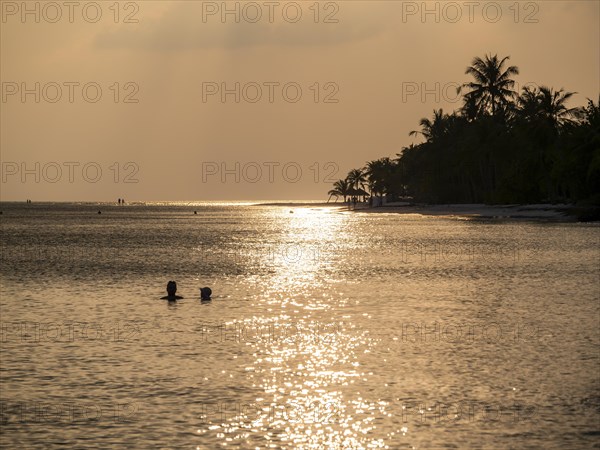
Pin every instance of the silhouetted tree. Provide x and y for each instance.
(492, 89)
(340, 188)
(356, 178)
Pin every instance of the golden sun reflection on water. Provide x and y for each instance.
(302, 252)
(305, 357)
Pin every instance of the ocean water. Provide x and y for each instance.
(328, 329)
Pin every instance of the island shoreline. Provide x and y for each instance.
(546, 212)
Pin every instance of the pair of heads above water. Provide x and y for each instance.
(205, 292)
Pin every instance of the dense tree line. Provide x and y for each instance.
(499, 147)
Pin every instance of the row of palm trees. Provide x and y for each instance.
(374, 176)
(500, 146)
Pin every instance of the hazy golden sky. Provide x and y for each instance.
(373, 57)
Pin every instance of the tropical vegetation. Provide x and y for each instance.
(500, 146)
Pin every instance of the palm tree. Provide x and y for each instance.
(333, 193)
(492, 90)
(432, 131)
(552, 106)
(528, 104)
(341, 188)
(547, 119)
(356, 178)
(548, 105)
(469, 109)
(379, 175)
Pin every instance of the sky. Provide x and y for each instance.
(195, 100)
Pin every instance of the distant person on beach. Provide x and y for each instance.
(171, 290)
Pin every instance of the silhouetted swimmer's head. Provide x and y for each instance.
(171, 288)
(205, 293)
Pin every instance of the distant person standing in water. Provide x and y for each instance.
(171, 290)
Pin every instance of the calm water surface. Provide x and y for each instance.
(327, 329)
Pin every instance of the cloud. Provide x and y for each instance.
(194, 25)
